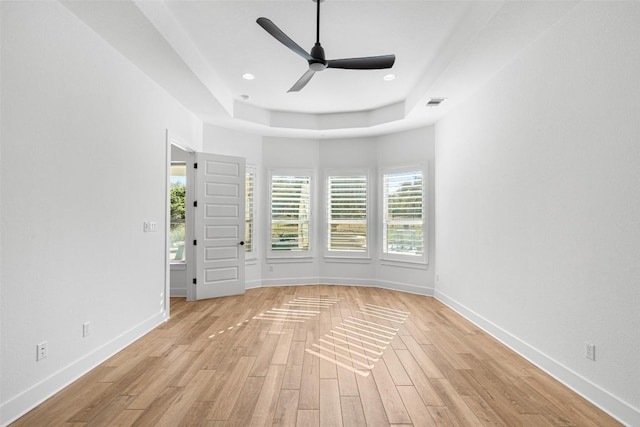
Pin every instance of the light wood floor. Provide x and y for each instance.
(316, 356)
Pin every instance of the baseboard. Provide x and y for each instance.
(19, 405)
(299, 281)
(614, 406)
(394, 286)
(253, 284)
(178, 292)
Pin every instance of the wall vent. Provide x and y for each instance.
(434, 102)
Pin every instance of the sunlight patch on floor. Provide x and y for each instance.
(366, 333)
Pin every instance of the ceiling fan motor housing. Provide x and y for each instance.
(317, 63)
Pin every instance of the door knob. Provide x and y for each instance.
(241, 243)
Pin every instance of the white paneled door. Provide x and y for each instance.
(219, 225)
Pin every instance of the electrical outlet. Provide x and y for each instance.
(41, 351)
(85, 329)
(590, 351)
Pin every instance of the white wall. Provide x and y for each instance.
(403, 149)
(83, 165)
(346, 154)
(411, 148)
(538, 201)
(283, 153)
(537, 234)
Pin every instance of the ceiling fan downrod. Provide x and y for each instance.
(317, 61)
(318, 21)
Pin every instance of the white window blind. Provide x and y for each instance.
(403, 214)
(290, 213)
(249, 230)
(347, 213)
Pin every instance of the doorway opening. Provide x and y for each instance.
(180, 222)
(205, 231)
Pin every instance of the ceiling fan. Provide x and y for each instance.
(316, 58)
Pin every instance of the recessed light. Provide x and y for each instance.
(245, 97)
(389, 77)
(248, 76)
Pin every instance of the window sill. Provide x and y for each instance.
(289, 259)
(420, 265)
(347, 259)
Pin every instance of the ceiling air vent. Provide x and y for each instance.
(434, 102)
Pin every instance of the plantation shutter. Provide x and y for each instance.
(347, 213)
(290, 211)
(249, 211)
(403, 222)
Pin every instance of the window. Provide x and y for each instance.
(347, 214)
(290, 214)
(178, 188)
(249, 229)
(403, 218)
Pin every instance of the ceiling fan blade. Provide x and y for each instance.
(279, 35)
(364, 63)
(302, 81)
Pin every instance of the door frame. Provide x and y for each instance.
(189, 224)
(172, 140)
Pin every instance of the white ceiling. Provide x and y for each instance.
(199, 50)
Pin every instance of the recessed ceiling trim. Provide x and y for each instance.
(171, 42)
(319, 122)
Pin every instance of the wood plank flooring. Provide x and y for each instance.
(316, 356)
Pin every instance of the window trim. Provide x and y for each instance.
(336, 255)
(404, 259)
(291, 255)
